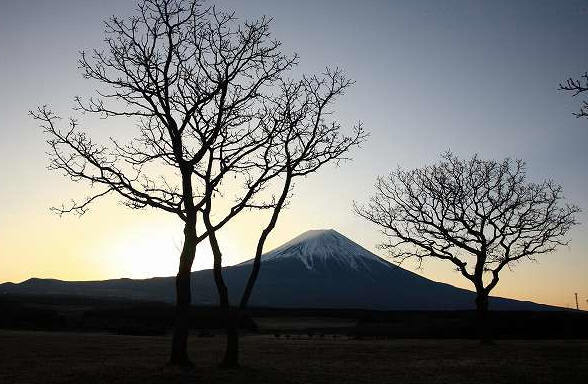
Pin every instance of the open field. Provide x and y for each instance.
(42, 357)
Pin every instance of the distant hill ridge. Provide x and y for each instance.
(317, 269)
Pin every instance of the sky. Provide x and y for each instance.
(470, 76)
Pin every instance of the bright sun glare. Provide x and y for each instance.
(147, 252)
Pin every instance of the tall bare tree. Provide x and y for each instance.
(577, 86)
(194, 83)
(307, 140)
(479, 215)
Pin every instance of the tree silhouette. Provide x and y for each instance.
(306, 140)
(577, 86)
(197, 85)
(480, 215)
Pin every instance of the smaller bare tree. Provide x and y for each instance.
(576, 86)
(480, 215)
(304, 141)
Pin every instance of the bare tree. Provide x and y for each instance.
(306, 139)
(577, 86)
(480, 215)
(194, 82)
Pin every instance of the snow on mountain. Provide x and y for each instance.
(318, 246)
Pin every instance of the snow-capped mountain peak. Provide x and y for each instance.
(320, 246)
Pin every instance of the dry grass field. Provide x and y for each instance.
(39, 357)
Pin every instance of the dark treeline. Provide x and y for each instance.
(82, 314)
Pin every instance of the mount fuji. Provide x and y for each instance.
(317, 269)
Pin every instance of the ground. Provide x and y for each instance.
(40, 357)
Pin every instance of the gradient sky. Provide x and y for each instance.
(462, 75)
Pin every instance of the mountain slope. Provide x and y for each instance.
(318, 269)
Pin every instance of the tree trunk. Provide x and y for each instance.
(179, 352)
(231, 359)
(232, 351)
(483, 323)
(179, 348)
